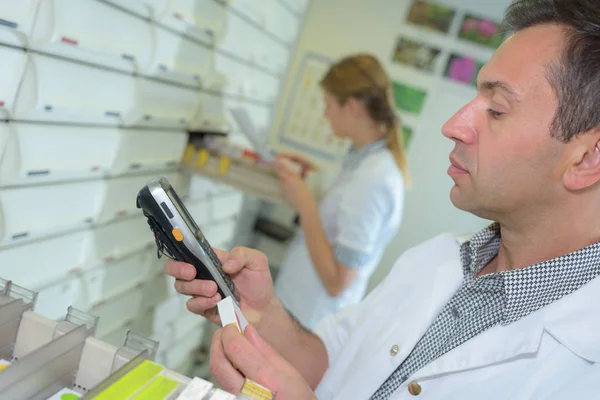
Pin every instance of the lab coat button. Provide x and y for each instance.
(394, 350)
(414, 388)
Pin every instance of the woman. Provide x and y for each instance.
(328, 264)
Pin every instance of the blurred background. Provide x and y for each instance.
(99, 96)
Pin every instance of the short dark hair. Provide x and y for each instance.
(576, 76)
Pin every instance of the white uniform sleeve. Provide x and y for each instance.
(334, 330)
(363, 213)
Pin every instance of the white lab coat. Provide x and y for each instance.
(551, 354)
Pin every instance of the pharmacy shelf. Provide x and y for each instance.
(249, 176)
(42, 357)
(212, 18)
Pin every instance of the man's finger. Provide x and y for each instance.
(201, 305)
(196, 287)
(221, 254)
(242, 257)
(247, 359)
(230, 379)
(179, 270)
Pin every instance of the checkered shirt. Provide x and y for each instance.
(492, 299)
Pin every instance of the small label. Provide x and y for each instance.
(115, 114)
(39, 173)
(10, 24)
(20, 235)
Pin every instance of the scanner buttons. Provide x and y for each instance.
(177, 234)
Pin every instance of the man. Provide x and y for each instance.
(514, 313)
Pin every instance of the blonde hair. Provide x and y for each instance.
(361, 76)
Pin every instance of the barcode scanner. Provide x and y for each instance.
(178, 237)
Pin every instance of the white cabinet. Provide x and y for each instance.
(163, 105)
(179, 59)
(262, 86)
(16, 20)
(113, 278)
(183, 16)
(220, 233)
(121, 195)
(117, 311)
(62, 91)
(45, 262)
(201, 211)
(281, 22)
(44, 153)
(119, 239)
(227, 205)
(141, 150)
(13, 63)
(54, 300)
(250, 9)
(201, 188)
(36, 211)
(139, 8)
(241, 39)
(273, 57)
(93, 32)
(213, 16)
(213, 114)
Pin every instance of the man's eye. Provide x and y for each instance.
(494, 113)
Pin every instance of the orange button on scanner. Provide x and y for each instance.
(177, 234)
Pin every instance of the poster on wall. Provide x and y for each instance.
(481, 31)
(408, 99)
(304, 127)
(463, 69)
(416, 54)
(431, 15)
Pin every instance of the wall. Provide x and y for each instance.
(335, 28)
(96, 98)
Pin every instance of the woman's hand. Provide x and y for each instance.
(306, 165)
(294, 189)
(254, 359)
(249, 270)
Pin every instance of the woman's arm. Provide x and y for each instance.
(336, 277)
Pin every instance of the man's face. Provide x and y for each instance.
(504, 157)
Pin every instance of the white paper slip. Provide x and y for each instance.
(230, 313)
(245, 122)
(197, 389)
(221, 395)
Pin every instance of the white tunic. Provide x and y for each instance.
(360, 214)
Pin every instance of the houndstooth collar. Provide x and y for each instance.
(530, 288)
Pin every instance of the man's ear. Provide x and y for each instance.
(584, 168)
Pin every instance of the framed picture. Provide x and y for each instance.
(415, 54)
(481, 31)
(431, 15)
(407, 98)
(463, 69)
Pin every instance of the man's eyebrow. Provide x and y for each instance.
(491, 85)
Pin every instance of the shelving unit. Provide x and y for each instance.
(96, 99)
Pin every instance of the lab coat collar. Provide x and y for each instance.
(573, 321)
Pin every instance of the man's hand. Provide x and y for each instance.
(256, 360)
(249, 270)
